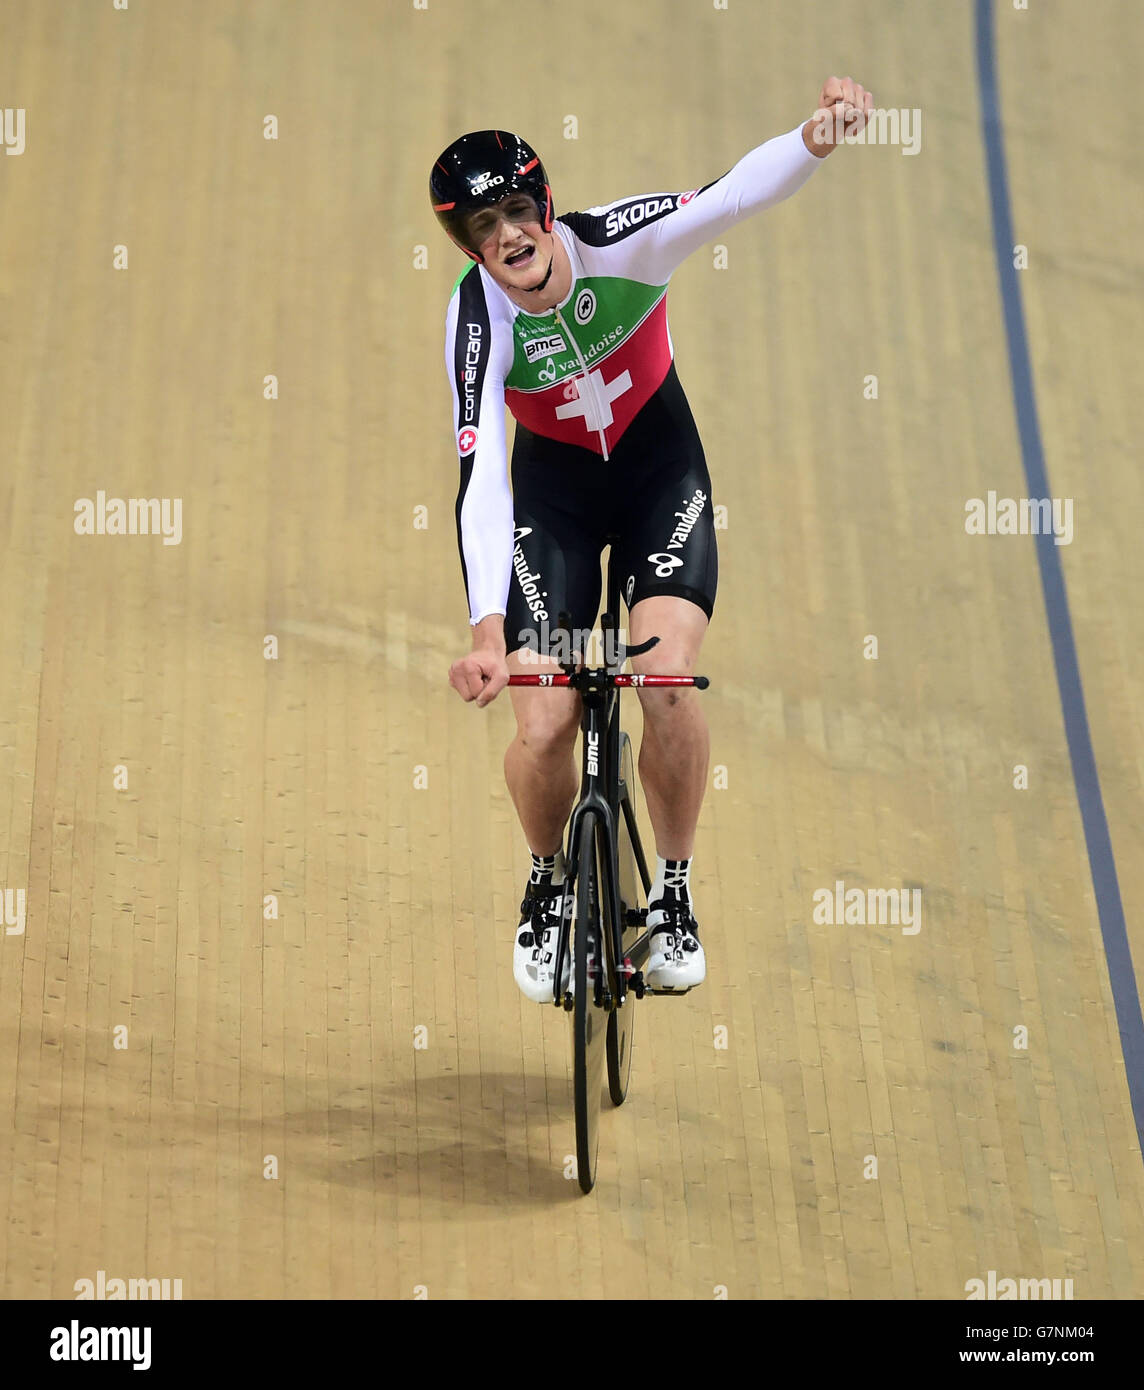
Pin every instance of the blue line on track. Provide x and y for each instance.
(1104, 881)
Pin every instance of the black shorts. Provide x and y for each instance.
(653, 492)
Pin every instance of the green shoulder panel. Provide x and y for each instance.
(468, 270)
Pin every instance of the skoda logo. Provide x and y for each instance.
(585, 306)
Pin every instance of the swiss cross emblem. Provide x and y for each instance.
(467, 440)
(594, 406)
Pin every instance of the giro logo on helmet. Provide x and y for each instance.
(487, 180)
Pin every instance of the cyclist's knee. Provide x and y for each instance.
(666, 658)
(547, 722)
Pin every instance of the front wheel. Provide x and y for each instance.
(589, 1023)
(621, 1022)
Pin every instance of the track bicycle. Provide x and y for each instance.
(603, 924)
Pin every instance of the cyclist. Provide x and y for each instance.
(564, 320)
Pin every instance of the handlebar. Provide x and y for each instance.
(625, 682)
(592, 679)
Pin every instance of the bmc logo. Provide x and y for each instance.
(542, 347)
(466, 440)
(487, 180)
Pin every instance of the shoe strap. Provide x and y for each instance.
(678, 919)
(541, 900)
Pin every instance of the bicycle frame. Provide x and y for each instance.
(600, 799)
(599, 689)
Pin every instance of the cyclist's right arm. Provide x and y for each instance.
(478, 356)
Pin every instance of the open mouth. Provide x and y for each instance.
(519, 259)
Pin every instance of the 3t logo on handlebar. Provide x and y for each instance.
(593, 755)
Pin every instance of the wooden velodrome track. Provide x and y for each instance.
(347, 779)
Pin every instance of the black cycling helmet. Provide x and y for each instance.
(480, 169)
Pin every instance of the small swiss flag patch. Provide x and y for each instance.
(467, 440)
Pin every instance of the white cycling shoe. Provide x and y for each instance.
(676, 962)
(534, 951)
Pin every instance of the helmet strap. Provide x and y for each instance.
(535, 289)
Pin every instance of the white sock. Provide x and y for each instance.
(672, 881)
(547, 868)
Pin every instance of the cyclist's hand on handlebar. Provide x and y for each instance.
(480, 676)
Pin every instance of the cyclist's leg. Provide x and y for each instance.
(673, 772)
(539, 764)
(669, 574)
(556, 567)
(675, 749)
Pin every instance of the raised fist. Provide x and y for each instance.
(844, 107)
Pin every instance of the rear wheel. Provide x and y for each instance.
(621, 1022)
(589, 1023)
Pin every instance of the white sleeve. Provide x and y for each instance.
(650, 236)
(478, 355)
